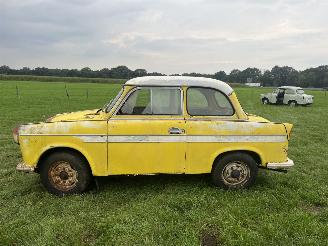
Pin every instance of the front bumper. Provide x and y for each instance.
(280, 165)
(22, 167)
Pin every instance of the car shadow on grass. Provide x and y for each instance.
(160, 182)
(144, 181)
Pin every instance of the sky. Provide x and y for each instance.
(167, 36)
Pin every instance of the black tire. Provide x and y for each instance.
(292, 103)
(235, 171)
(265, 101)
(65, 173)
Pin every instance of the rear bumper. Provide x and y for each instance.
(22, 167)
(280, 165)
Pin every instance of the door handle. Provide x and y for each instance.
(176, 130)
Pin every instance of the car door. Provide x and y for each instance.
(289, 96)
(146, 133)
(211, 121)
(273, 96)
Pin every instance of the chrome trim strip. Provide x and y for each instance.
(102, 138)
(194, 139)
(183, 139)
(167, 118)
(60, 135)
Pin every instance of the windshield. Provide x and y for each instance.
(299, 91)
(108, 106)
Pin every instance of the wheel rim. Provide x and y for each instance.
(265, 101)
(292, 104)
(62, 176)
(235, 173)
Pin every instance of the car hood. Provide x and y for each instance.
(74, 116)
(307, 96)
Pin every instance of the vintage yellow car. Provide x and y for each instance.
(172, 125)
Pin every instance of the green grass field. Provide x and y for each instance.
(281, 209)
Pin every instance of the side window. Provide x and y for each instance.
(289, 91)
(221, 100)
(153, 101)
(208, 102)
(197, 99)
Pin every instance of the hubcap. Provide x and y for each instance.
(235, 173)
(62, 176)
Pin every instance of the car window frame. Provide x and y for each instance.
(111, 104)
(127, 96)
(289, 91)
(226, 96)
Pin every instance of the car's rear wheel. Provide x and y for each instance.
(292, 103)
(265, 101)
(235, 171)
(65, 173)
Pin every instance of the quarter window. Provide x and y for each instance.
(153, 101)
(208, 102)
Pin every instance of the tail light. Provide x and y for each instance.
(16, 134)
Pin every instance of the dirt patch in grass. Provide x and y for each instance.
(210, 236)
(88, 238)
(314, 208)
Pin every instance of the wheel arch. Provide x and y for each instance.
(255, 155)
(58, 149)
(292, 100)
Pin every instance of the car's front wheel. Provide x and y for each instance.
(65, 173)
(235, 171)
(292, 103)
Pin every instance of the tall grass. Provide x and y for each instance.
(280, 209)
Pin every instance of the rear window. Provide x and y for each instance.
(208, 102)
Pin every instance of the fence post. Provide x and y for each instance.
(67, 93)
(17, 91)
(87, 94)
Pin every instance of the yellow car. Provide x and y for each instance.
(173, 125)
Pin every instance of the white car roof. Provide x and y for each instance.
(181, 81)
(291, 87)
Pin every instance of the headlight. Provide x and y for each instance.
(16, 134)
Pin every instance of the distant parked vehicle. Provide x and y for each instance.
(290, 95)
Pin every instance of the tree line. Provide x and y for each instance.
(277, 76)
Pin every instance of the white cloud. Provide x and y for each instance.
(165, 36)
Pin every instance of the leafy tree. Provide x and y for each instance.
(139, 73)
(284, 76)
(5, 69)
(266, 79)
(105, 73)
(235, 76)
(121, 72)
(221, 75)
(86, 72)
(251, 73)
(277, 76)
